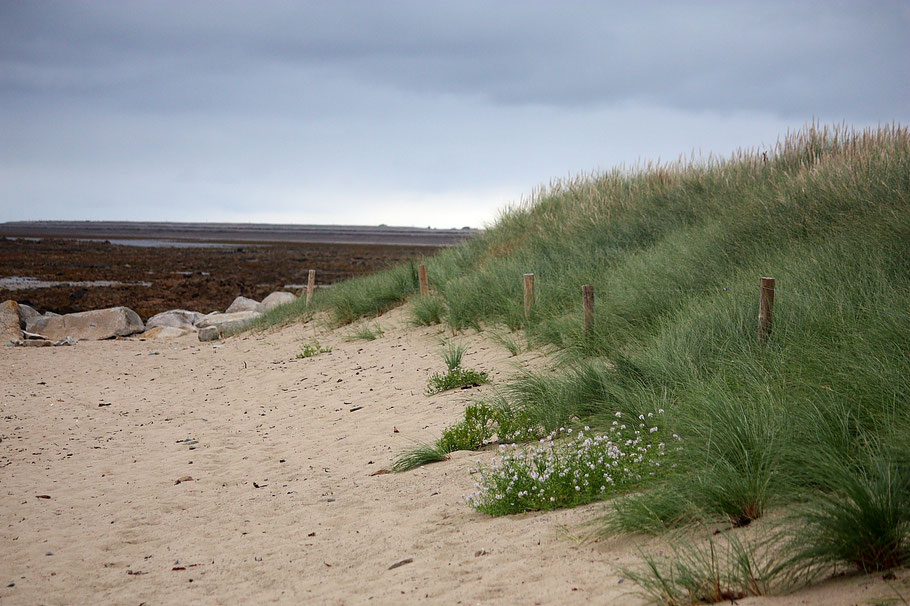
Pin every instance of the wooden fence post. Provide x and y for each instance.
(310, 286)
(424, 282)
(765, 309)
(587, 296)
(529, 294)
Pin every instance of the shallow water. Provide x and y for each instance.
(25, 283)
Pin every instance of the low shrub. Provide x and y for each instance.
(565, 470)
(475, 429)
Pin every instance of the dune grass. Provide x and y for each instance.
(719, 568)
(675, 253)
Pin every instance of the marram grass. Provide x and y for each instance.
(675, 253)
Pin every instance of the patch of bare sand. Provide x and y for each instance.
(282, 506)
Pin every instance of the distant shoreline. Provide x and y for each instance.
(270, 233)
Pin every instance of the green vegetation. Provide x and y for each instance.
(717, 570)
(365, 332)
(426, 310)
(455, 375)
(572, 470)
(308, 350)
(506, 340)
(422, 454)
(473, 431)
(456, 378)
(675, 253)
(282, 315)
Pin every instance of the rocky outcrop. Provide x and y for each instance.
(274, 300)
(175, 318)
(242, 304)
(9, 322)
(227, 322)
(88, 325)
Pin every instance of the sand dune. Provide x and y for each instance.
(282, 505)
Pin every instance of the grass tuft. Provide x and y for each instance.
(422, 454)
(861, 517)
(426, 310)
(365, 332)
(717, 570)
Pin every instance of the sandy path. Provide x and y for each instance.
(97, 428)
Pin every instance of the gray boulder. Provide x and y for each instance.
(274, 300)
(242, 304)
(88, 325)
(9, 322)
(175, 318)
(26, 312)
(226, 323)
(209, 333)
(32, 321)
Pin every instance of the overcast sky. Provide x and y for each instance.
(408, 113)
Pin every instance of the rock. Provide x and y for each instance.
(9, 322)
(274, 300)
(175, 318)
(228, 322)
(32, 321)
(165, 332)
(26, 312)
(242, 304)
(209, 333)
(90, 325)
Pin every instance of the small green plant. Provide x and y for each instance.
(426, 310)
(365, 332)
(456, 378)
(472, 431)
(565, 470)
(309, 350)
(720, 569)
(480, 423)
(506, 340)
(453, 353)
(422, 454)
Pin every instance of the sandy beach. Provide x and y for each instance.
(168, 472)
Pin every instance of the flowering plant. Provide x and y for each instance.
(568, 468)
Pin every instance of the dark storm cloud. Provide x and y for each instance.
(798, 59)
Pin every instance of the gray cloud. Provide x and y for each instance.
(255, 109)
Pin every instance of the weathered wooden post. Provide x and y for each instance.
(765, 309)
(587, 296)
(529, 295)
(424, 282)
(310, 286)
